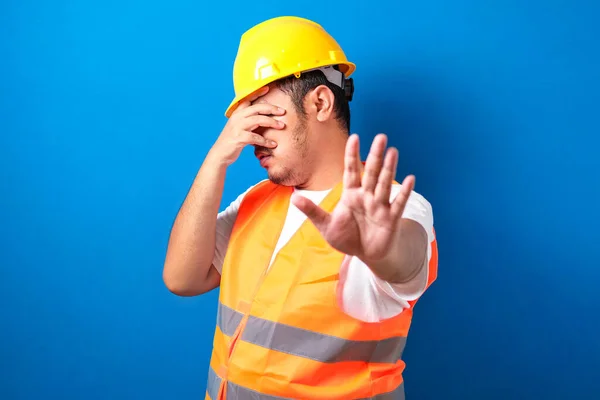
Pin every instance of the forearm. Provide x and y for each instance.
(406, 255)
(191, 244)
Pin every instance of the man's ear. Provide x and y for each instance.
(320, 102)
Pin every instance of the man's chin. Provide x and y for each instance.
(281, 179)
(276, 179)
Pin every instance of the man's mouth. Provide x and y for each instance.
(263, 158)
(261, 152)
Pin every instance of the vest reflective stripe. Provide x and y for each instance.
(228, 320)
(212, 384)
(304, 343)
(238, 392)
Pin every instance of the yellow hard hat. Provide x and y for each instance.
(281, 47)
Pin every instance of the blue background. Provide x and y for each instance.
(106, 113)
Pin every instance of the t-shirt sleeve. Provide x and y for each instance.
(367, 297)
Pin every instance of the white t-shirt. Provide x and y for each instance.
(361, 293)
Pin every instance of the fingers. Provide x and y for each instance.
(259, 93)
(258, 140)
(248, 100)
(386, 176)
(399, 203)
(256, 121)
(352, 162)
(374, 163)
(319, 217)
(246, 108)
(262, 108)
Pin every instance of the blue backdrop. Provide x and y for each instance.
(106, 113)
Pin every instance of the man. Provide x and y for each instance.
(320, 265)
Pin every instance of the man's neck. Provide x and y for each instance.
(328, 166)
(324, 177)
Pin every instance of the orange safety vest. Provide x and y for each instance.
(280, 333)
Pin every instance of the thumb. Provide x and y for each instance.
(319, 217)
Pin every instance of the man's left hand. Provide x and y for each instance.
(364, 223)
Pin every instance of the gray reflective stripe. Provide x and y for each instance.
(237, 392)
(228, 319)
(212, 384)
(234, 392)
(308, 344)
(319, 347)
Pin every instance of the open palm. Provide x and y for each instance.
(364, 221)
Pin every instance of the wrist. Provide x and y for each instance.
(405, 257)
(216, 159)
(384, 268)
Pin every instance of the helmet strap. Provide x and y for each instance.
(336, 77)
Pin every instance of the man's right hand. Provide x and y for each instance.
(239, 130)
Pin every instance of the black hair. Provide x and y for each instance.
(298, 88)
